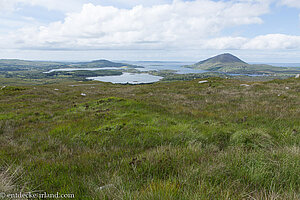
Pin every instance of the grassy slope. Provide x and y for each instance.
(179, 140)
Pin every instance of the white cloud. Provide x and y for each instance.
(130, 3)
(273, 41)
(262, 42)
(225, 43)
(179, 25)
(71, 5)
(290, 3)
(65, 5)
(176, 24)
(7, 5)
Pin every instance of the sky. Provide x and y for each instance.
(265, 31)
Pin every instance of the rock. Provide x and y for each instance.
(203, 81)
(82, 94)
(287, 88)
(106, 186)
(245, 85)
(297, 76)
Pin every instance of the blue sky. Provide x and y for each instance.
(255, 30)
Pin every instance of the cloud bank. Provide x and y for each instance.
(64, 6)
(181, 24)
(158, 26)
(291, 3)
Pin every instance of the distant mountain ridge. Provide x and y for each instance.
(229, 63)
(15, 63)
(103, 63)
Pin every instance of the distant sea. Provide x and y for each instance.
(281, 64)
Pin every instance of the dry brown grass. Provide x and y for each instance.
(9, 178)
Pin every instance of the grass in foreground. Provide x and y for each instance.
(180, 140)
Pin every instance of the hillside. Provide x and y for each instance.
(15, 64)
(228, 63)
(13, 71)
(223, 58)
(103, 63)
(178, 140)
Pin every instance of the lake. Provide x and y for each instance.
(81, 69)
(137, 78)
(128, 78)
(150, 66)
(165, 65)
